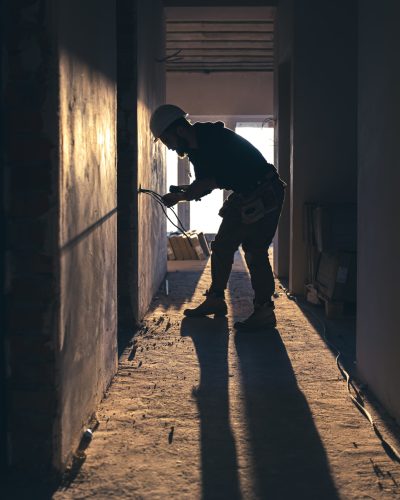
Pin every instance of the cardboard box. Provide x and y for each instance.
(336, 276)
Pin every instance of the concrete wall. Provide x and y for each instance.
(222, 93)
(378, 339)
(324, 115)
(88, 295)
(151, 168)
(127, 166)
(283, 37)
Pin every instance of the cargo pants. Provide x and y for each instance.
(250, 221)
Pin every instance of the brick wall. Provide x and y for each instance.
(31, 213)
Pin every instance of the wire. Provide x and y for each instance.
(180, 227)
(357, 399)
(158, 198)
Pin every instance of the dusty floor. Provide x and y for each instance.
(199, 411)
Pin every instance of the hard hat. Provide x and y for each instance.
(163, 117)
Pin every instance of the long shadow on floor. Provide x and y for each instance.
(289, 460)
(288, 457)
(218, 452)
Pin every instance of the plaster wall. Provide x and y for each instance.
(378, 339)
(324, 115)
(221, 93)
(127, 167)
(88, 295)
(151, 162)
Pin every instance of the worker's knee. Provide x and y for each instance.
(223, 246)
(256, 256)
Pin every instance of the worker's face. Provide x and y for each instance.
(175, 142)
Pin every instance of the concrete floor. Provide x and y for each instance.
(199, 411)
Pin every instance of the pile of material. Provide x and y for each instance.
(193, 247)
(332, 255)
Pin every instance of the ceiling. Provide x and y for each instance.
(219, 39)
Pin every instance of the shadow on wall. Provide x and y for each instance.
(89, 44)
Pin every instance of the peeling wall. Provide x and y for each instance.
(378, 338)
(152, 260)
(88, 295)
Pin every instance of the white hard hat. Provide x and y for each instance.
(163, 117)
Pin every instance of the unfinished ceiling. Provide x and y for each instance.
(219, 39)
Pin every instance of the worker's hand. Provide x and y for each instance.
(171, 199)
(200, 188)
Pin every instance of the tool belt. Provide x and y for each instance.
(254, 205)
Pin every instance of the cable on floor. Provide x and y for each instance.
(357, 398)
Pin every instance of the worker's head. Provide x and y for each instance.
(169, 124)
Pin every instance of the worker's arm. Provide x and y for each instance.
(199, 188)
(196, 190)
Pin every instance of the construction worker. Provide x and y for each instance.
(222, 159)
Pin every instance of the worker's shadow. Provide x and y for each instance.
(288, 458)
(218, 452)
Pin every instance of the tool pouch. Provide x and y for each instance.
(252, 211)
(231, 203)
(258, 204)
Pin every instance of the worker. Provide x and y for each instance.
(223, 159)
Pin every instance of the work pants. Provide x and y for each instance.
(255, 239)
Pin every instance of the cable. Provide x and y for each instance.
(357, 399)
(158, 198)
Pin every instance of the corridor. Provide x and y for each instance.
(199, 411)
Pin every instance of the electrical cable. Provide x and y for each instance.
(357, 400)
(157, 200)
(157, 197)
(180, 227)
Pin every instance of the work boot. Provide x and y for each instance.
(262, 317)
(214, 304)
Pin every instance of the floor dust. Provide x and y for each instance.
(199, 411)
